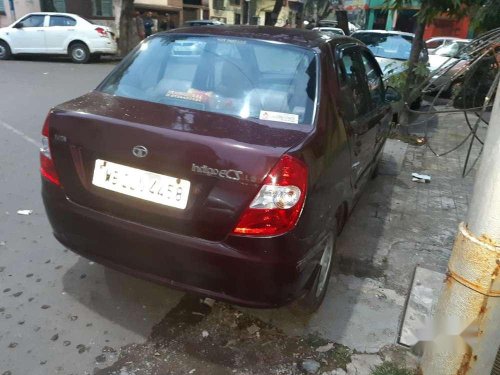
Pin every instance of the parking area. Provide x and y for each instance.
(62, 314)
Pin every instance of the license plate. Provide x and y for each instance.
(152, 187)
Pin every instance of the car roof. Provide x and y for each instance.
(387, 32)
(51, 14)
(298, 37)
(446, 38)
(203, 21)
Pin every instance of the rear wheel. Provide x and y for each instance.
(316, 293)
(5, 52)
(79, 53)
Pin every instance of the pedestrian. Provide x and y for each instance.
(148, 24)
(167, 23)
(139, 25)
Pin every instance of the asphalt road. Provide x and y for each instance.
(57, 311)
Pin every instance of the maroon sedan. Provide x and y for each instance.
(222, 161)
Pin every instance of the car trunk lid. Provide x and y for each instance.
(224, 158)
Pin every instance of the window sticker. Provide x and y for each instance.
(192, 95)
(279, 116)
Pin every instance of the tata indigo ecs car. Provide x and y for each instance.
(219, 160)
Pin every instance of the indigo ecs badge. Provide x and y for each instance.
(229, 174)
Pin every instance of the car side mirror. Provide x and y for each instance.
(18, 25)
(392, 95)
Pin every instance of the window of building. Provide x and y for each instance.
(61, 21)
(2, 6)
(102, 8)
(218, 4)
(53, 5)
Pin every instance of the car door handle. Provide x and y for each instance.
(41, 31)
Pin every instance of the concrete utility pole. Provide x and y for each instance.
(468, 313)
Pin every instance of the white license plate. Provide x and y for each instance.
(152, 187)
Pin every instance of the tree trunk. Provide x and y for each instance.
(275, 13)
(125, 43)
(416, 49)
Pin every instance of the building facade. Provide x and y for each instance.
(379, 16)
(253, 12)
(99, 10)
(166, 13)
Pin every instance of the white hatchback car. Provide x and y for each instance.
(57, 34)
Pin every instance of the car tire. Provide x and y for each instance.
(315, 295)
(5, 53)
(79, 53)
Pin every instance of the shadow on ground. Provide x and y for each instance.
(132, 303)
(62, 59)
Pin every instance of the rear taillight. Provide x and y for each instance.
(101, 31)
(277, 206)
(47, 167)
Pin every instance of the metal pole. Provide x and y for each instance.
(248, 12)
(12, 10)
(467, 318)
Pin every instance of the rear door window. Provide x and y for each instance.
(233, 76)
(61, 21)
(355, 98)
(373, 79)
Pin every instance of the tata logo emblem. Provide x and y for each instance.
(140, 151)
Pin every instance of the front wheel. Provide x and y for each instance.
(79, 53)
(316, 293)
(5, 52)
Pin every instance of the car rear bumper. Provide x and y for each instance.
(216, 269)
(104, 45)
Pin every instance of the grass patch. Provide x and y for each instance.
(390, 368)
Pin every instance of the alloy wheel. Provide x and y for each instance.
(78, 54)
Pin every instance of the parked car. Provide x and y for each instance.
(223, 172)
(202, 23)
(57, 34)
(445, 64)
(330, 31)
(434, 43)
(333, 23)
(392, 51)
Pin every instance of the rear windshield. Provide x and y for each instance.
(238, 77)
(386, 45)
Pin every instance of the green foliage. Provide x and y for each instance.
(486, 16)
(390, 368)
(397, 78)
(431, 8)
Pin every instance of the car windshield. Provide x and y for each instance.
(390, 46)
(233, 76)
(451, 50)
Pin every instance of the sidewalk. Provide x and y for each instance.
(396, 226)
